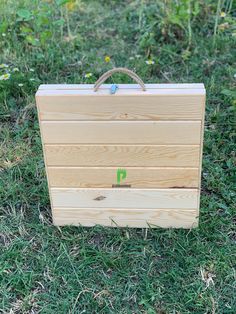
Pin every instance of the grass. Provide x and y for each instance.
(44, 269)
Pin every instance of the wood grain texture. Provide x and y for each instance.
(123, 155)
(120, 108)
(201, 153)
(44, 155)
(155, 135)
(105, 177)
(138, 218)
(121, 132)
(130, 92)
(125, 198)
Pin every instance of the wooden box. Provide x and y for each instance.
(132, 158)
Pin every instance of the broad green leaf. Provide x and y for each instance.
(3, 27)
(24, 14)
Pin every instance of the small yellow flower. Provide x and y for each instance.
(3, 65)
(5, 77)
(15, 70)
(149, 62)
(88, 75)
(222, 14)
(107, 59)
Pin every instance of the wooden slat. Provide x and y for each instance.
(122, 86)
(122, 155)
(97, 177)
(138, 218)
(120, 108)
(125, 198)
(125, 92)
(121, 132)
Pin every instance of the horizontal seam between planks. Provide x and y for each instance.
(127, 167)
(114, 144)
(119, 166)
(127, 120)
(105, 144)
(123, 121)
(124, 188)
(124, 208)
(131, 208)
(46, 93)
(134, 189)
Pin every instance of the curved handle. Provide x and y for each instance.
(109, 73)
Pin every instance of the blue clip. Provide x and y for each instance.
(113, 89)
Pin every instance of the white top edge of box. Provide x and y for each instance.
(121, 86)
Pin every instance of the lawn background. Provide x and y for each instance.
(44, 269)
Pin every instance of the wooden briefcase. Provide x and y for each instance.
(126, 155)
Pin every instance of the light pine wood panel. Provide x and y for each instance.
(138, 218)
(161, 127)
(120, 108)
(122, 86)
(125, 198)
(121, 132)
(121, 92)
(98, 177)
(122, 155)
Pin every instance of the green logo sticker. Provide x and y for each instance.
(120, 175)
